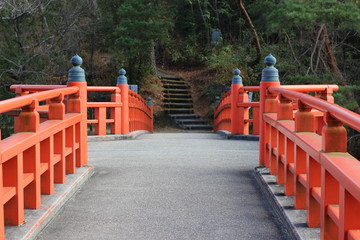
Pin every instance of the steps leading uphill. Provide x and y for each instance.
(178, 104)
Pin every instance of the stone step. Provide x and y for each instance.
(192, 122)
(176, 91)
(179, 110)
(176, 86)
(197, 127)
(184, 116)
(178, 100)
(180, 81)
(178, 105)
(169, 77)
(177, 95)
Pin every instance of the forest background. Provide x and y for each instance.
(314, 41)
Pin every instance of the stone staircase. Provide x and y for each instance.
(178, 103)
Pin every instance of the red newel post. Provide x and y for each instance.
(78, 103)
(151, 106)
(236, 119)
(268, 102)
(122, 84)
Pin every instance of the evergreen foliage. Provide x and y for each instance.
(142, 25)
(39, 36)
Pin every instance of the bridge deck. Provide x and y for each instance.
(168, 186)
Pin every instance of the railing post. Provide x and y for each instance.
(115, 113)
(236, 119)
(122, 84)
(334, 135)
(151, 106)
(76, 78)
(18, 92)
(216, 120)
(29, 119)
(327, 95)
(284, 109)
(57, 108)
(304, 118)
(269, 78)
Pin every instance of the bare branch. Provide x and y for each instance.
(314, 50)
(39, 43)
(292, 50)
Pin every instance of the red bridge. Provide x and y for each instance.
(302, 156)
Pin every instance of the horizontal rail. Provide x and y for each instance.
(18, 102)
(36, 88)
(102, 89)
(251, 88)
(104, 104)
(310, 88)
(346, 116)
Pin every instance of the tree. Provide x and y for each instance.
(37, 37)
(253, 32)
(142, 24)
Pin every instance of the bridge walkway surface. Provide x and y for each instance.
(168, 186)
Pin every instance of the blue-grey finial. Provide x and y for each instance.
(217, 101)
(76, 73)
(122, 79)
(237, 78)
(270, 73)
(149, 102)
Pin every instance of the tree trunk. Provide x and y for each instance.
(254, 33)
(330, 56)
(153, 58)
(331, 61)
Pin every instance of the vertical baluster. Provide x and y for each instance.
(115, 112)
(100, 115)
(284, 112)
(2, 200)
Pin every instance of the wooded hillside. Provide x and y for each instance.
(315, 41)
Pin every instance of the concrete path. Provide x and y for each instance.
(168, 186)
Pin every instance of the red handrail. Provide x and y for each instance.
(346, 116)
(314, 166)
(141, 114)
(39, 154)
(14, 103)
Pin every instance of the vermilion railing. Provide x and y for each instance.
(222, 113)
(232, 113)
(314, 167)
(303, 142)
(236, 119)
(126, 111)
(50, 136)
(243, 113)
(140, 113)
(40, 154)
